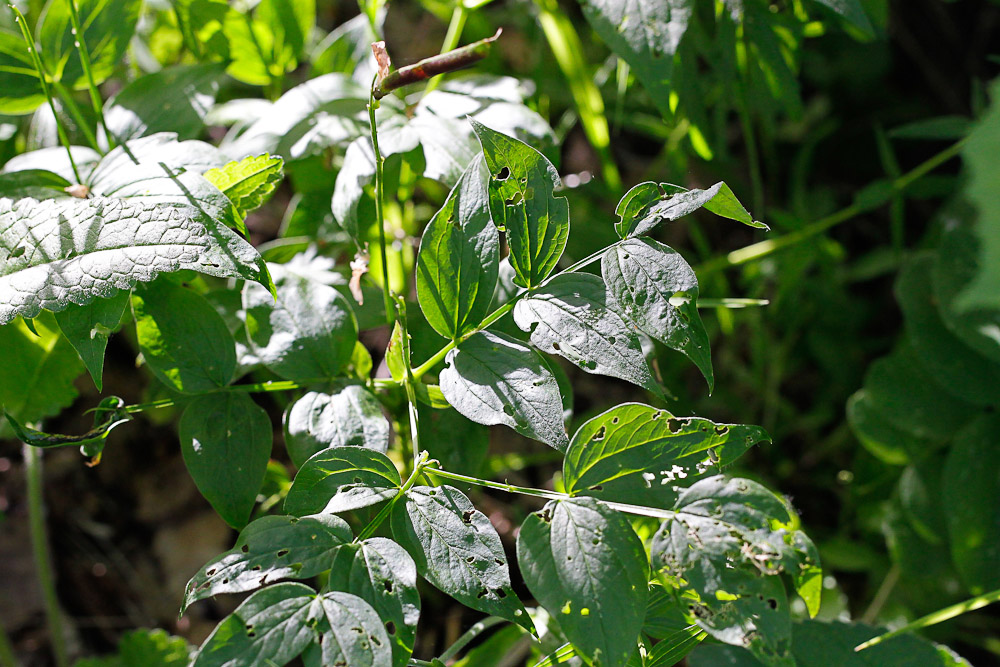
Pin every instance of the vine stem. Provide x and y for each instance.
(81, 47)
(379, 213)
(451, 39)
(469, 635)
(40, 550)
(373, 525)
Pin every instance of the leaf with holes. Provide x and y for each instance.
(351, 417)
(276, 624)
(583, 562)
(493, 379)
(658, 291)
(642, 455)
(267, 550)
(459, 258)
(573, 316)
(523, 205)
(226, 443)
(648, 205)
(341, 479)
(381, 573)
(457, 549)
(87, 328)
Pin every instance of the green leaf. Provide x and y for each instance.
(36, 380)
(88, 327)
(341, 479)
(946, 128)
(573, 316)
(309, 333)
(877, 434)
(226, 443)
(267, 550)
(174, 99)
(645, 34)
(971, 496)
(493, 379)
(852, 11)
(641, 455)
(107, 415)
(523, 205)
(247, 182)
(183, 340)
(381, 573)
(583, 562)
(36, 183)
(658, 291)
(459, 258)
(108, 25)
(352, 417)
(459, 444)
(394, 354)
(291, 23)
(21, 92)
(276, 624)
(150, 648)
(457, 549)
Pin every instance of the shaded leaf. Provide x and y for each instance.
(88, 327)
(648, 205)
(341, 479)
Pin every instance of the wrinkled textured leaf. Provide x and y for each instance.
(642, 455)
(247, 182)
(352, 417)
(573, 316)
(341, 479)
(493, 379)
(583, 562)
(381, 573)
(523, 205)
(647, 205)
(658, 291)
(88, 327)
(459, 258)
(226, 443)
(267, 550)
(457, 549)
(184, 341)
(108, 25)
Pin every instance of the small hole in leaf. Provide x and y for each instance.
(503, 174)
(390, 627)
(600, 433)
(282, 552)
(358, 630)
(225, 581)
(245, 548)
(555, 346)
(483, 593)
(357, 480)
(674, 425)
(498, 561)
(388, 585)
(614, 420)
(467, 516)
(470, 559)
(374, 640)
(772, 603)
(501, 593)
(255, 568)
(596, 487)
(211, 572)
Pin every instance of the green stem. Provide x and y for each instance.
(451, 39)
(81, 47)
(270, 385)
(66, 96)
(40, 549)
(7, 658)
(753, 156)
(731, 303)
(22, 23)
(469, 635)
(935, 618)
(408, 384)
(861, 205)
(379, 214)
(373, 525)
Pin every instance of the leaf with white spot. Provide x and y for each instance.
(341, 479)
(351, 417)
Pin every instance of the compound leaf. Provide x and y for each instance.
(351, 417)
(341, 479)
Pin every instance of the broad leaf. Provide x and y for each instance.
(457, 549)
(642, 455)
(247, 182)
(226, 443)
(36, 183)
(276, 624)
(381, 573)
(583, 562)
(493, 379)
(108, 25)
(183, 340)
(876, 432)
(523, 204)
(971, 498)
(267, 550)
(955, 267)
(341, 479)
(54, 159)
(309, 333)
(647, 205)
(573, 316)
(459, 258)
(352, 417)
(88, 327)
(658, 291)
(852, 11)
(21, 92)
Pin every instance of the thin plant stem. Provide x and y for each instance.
(22, 23)
(81, 47)
(373, 525)
(260, 387)
(408, 384)
(753, 156)
(379, 213)
(7, 658)
(451, 39)
(469, 635)
(40, 549)
(66, 97)
(881, 595)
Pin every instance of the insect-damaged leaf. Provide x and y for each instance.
(459, 258)
(276, 624)
(641, 455)
(351, 417)
(522, 204)
(722, 553)
(457, 549)
(573, 316)
(107, 415)
(87, 328)
(658, 291)
(269, 549)
(381, 573)
(341, 479)
(647, 205)
(493, 379)
(583, 562)
(226, 443)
